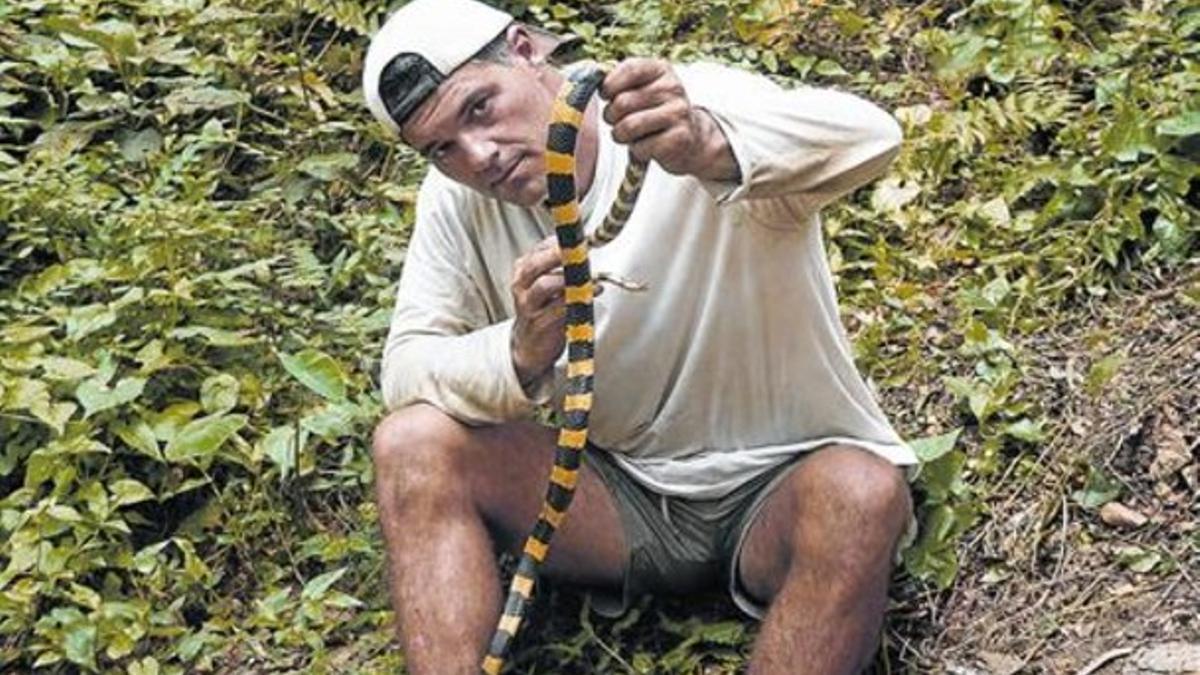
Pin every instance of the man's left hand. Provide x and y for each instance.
(650, 112)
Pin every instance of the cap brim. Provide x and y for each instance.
(550, 45)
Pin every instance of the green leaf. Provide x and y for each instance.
(722, 632)
(942, 477)
(1102, 372)
(97, 397)
(147, 666)
(83, 321)
(933, 557)
(61, 141)
(79, 645)
(280, 447)
(61, 368)
(166, 424)
(129, 491)
(996, 212)
(1137, 559)
(15, 335)
(1099, 490)
(332, 421)
(136, 146)
(931, 448)
(830, 68)
(196, 99)
(216, 336)
(27, 394)
(203, 437)
(57, 415)
(45, 52)
(116, 37)
(328, 167)
(977, 395)
(1026, 430)
(892, 195)
(219, 393)
(1128, 136)
(317, 586)
(317, 371)
(139, 436)
(1187, 124)
(146, 559)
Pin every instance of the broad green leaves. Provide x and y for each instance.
(201, 228)
(948, 511)
(200, 439)
(219, 393)
(317, 371)
(199, 99)
(1187, 124)
(95, 396)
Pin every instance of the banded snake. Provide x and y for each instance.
(566, 121)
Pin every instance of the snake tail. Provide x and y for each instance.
(618, 214)
(566, 122)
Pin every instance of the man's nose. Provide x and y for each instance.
(481, 155)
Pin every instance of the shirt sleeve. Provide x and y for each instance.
(442, 347)
(815, 144)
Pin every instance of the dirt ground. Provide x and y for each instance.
(1048, 585)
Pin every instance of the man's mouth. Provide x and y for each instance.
(507, 174)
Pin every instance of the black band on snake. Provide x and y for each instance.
(566, 121)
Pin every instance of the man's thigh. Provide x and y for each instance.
(506, 469)
(836, 497)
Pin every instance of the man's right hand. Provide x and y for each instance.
(537, 288)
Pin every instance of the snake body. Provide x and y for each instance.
(566, 121)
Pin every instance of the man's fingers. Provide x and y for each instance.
(630, 74)
(667, 146)
(547, 289)
(645, 123)
(633, 100)
(529, 267)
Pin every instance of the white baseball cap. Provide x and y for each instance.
(421, 45)
(418, 47)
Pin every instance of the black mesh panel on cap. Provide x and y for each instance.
(405, 82)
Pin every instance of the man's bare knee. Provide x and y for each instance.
(415, 448)
(854, 487)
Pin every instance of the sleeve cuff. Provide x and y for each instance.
(724, 192)
(498, 339)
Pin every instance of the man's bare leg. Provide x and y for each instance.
(448, 496)
(821, 552)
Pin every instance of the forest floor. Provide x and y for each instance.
(1046, 584)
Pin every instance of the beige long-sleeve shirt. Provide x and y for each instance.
(734, 360)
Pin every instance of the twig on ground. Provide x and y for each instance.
(1102, 660)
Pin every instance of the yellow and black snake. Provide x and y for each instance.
(566, 120)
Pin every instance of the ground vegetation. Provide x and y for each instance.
(200, 234)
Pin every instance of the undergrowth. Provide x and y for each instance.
(201, 230)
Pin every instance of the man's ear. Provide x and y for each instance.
(523, 45)
(537, 45)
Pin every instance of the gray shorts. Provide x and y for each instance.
(679, 545)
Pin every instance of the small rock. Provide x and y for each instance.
(1117, 514)
(1001, 664)
(1168, 657)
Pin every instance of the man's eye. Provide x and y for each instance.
(479, 108)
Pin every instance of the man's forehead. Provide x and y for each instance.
(443, 105)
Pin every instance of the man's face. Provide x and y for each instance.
(485, 127)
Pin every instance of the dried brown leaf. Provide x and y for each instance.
(1117, 514)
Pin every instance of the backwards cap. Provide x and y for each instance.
(418, 47)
